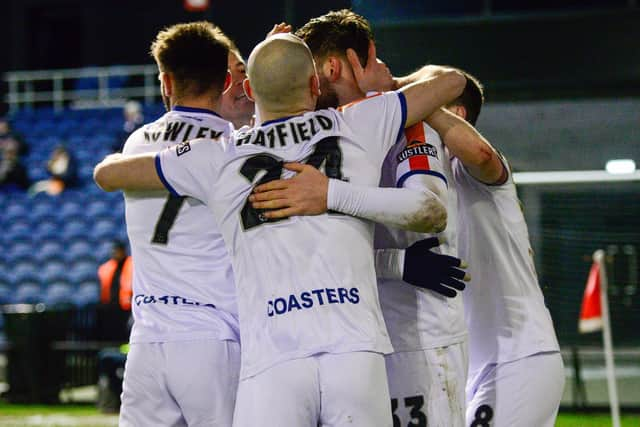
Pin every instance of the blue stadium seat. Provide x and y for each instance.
(52, 272)
(79, 249)
(28, 293)
(17, 250)
(98, 208)
(18, 231)
(74, 229)
(42, 208)
(18, 278)
(14, 211)
(76, 141)
(83, 271)
(6, 294)
(46, 229)
(37, 173)
(25, 266)
(70, 209)
(85, 173)
(87, 293)
(6, 279)
(103, 250)
(48, 251)
(104, 229)
(58, 293)
(85, 156)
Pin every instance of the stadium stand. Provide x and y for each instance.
(53, 245)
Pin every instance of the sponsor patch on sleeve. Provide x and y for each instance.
(183, 148)
(418, 149)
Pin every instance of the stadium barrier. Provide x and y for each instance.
(54, 348)
(89, 87)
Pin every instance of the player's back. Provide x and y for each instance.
(504, 306)
(183, 281)
(306, 285)
(419, 318)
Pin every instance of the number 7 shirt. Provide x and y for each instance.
(183, 285)
(305, 285)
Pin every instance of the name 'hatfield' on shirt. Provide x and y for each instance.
(287, 133)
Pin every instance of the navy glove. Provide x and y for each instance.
(430, 270)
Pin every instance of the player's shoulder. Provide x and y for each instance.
(202, 145)
(136, 139)
(140, 139)
(375, 109)
(367, 99)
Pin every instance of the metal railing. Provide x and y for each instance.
(56, 88)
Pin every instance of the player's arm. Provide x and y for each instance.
(184, 170)
(426, 96)
(418, 206)
(425, 72)
(480, 159)
(123, 172)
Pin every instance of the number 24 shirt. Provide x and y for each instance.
(305, 285)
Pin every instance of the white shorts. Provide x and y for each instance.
(322, 390)
(180, 383)
(427, 386)
(523, 393)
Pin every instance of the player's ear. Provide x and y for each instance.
(246, 86)
(314, 83)
(332, 68)
(227, 82)
(166, 84)
(458, 110)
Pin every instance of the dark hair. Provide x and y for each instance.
(196, 54)
(119, 244)
(335, 32)
(472, 98)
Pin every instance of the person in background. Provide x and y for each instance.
(115, 278)
(13, 174)
(12, 140)
(133, 119)
(63, 168)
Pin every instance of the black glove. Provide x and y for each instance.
(430, 270)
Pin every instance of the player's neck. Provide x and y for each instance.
(204, 102)
(266, 116)
(349, 95)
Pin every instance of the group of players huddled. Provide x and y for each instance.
(301, 267)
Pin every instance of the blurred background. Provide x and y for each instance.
(562, 82)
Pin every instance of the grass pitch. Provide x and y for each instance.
(88, 416)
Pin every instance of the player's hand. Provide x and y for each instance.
(424, 268)
(279, 29)
(304, 194)
(375, 76)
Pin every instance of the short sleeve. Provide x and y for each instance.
(421, 153)
(382, 116)
(189, 168)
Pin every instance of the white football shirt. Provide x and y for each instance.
(504, 306)
(418, 318)
(183, 286)
(305, 285)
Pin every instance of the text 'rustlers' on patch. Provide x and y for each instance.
(418, 150)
